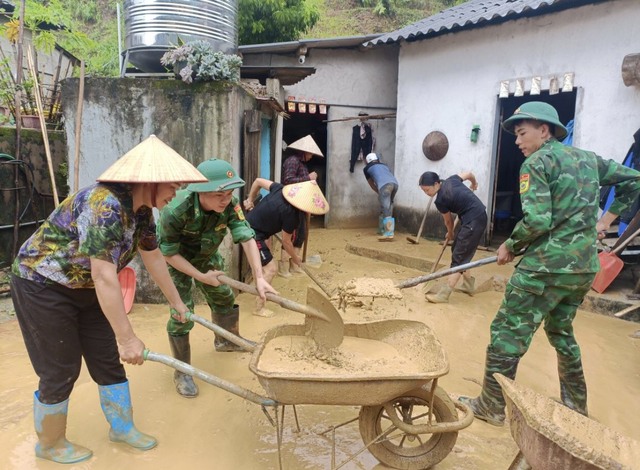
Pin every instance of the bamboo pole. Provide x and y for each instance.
(76, 158)
(43, 127)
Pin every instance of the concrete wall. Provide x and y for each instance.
(451, 82)
(199, 121)
(349, 80)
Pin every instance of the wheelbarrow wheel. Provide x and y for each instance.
(410, 451)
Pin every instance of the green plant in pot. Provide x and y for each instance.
(198, 61)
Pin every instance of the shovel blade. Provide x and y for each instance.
(610, 267)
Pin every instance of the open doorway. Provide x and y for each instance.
(298, 126)
(506, 207)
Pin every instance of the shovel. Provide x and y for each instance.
(393, 290)
(127, 280)
(416, 240)
(610, 265)
(323, 321)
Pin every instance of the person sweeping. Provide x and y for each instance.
(452, 196)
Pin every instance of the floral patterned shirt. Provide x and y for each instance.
(96, 222)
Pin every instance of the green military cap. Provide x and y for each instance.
(221, 176)
(538, 111)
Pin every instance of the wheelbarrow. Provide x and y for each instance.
(550, 436)
(406, 419)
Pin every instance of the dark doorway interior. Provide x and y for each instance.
(507, 209)
(303, 124)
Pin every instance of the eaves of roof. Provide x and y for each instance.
(348, 42)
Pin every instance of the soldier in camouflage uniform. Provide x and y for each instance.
(190, 230)
(559, 190)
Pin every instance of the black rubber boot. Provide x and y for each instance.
(573, 388)
(489, 405)
(181, 350)
(229, 322)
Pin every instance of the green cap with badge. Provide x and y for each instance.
(221, 176)
(538, 111)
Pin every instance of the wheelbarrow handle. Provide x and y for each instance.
(286, 303)
(209, 378)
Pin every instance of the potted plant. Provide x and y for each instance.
(198, 61)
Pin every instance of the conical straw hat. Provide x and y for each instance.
(307, 197)
(306, 144)
(152, 161)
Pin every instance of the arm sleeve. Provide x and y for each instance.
(535, 196)
(240, 229)
(100, 230)
(168, 232)
(625, 180)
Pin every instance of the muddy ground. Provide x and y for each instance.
(218, 430)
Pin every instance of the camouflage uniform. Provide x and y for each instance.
(185, 229)
(559, 190)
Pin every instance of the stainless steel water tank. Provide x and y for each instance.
(153, 26)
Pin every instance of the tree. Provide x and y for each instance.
(265, 21)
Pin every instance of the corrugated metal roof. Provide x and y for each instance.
(475, 14)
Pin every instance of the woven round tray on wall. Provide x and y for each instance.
(435, 145)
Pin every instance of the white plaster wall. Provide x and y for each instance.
(351, 77)
(451, 83)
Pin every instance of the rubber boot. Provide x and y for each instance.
(573, 388)
(116, 406)
(230, 323)
(283, 268)
(389, 225)
(380, 225)
(441, 297)
(468, 285)
(181, 350)
(489, 405)
(51, 426)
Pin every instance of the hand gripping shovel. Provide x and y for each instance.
(610, 265)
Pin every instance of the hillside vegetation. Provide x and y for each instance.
(97, 19)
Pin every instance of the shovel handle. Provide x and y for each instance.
(209, 378)
(424, 218)
(286, 303)
(445, 272)
(414, 281)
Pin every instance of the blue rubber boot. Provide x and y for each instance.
(389, 225)
(51, 426)
(116, 405)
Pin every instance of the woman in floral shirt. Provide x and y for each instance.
(68, 300)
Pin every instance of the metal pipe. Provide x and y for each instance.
(443, 427)
(22, 224)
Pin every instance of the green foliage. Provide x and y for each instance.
(198, 61)
(266, 21)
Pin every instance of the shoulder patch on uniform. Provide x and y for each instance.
(239, 212)
(524, 183)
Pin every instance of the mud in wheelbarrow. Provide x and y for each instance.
(388, 368)
(550, 436)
